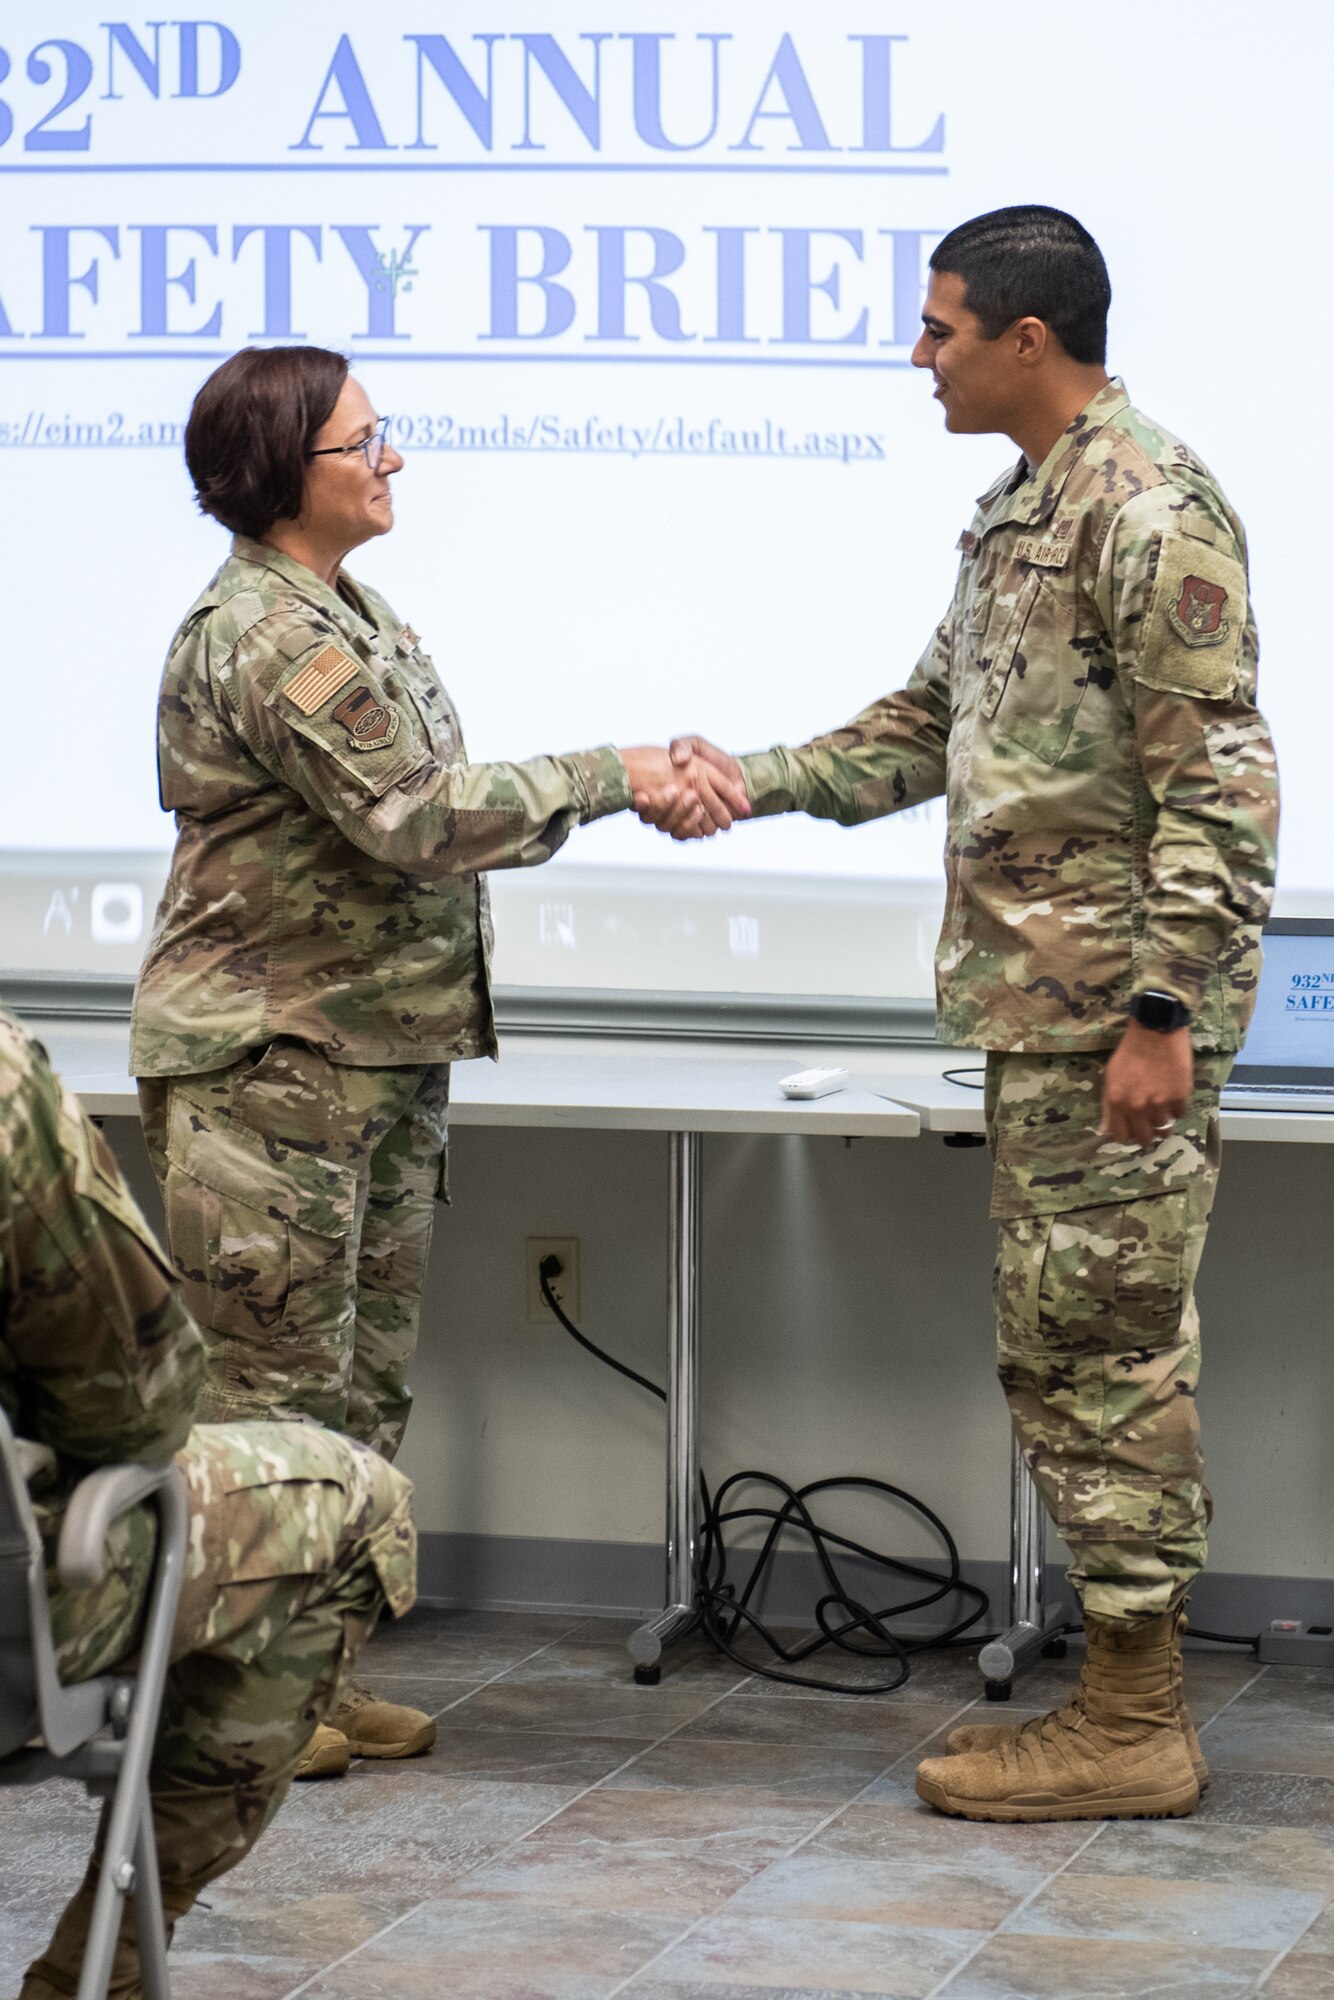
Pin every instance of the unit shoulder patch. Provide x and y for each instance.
(370, 724)
(1195, 622)
(320, 679)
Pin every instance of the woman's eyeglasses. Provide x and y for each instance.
(372, 447)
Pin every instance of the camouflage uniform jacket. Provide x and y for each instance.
(99, 1360)
(1088, 707)
(326, 881)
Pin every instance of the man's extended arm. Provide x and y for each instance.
(890, 756)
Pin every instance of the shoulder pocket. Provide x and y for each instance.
(1195, 620)
(341, 708)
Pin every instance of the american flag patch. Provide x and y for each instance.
(320, 680)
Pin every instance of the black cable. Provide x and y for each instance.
(964, 1078)
(1225, 1638)
(716, 1595)
(844, 1621)
(548, 1269)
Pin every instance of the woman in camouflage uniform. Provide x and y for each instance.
(321, 951)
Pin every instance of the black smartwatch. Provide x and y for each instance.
(1162, 1012)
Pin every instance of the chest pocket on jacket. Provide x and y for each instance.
(1039, 673)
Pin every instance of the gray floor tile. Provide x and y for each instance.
(1012, 1967)
(1191, 1850)
(761, 1951)
(1273, 1727)
(46, 1837)
(459, 1645)
(1305, 1977)
(649, 1987)
(1320, 1937)
(578, 1659)
(405, 1830)
(261, 1935)
(976, 1895)
(770, 1771)
(910, 1832)
(582, 1708)
(488, 1950)
(685, 1853)
(1152, 1907)
(529, 1757)
(1266, 1798)
(890, 1726)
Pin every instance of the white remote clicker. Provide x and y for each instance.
(814, 1082)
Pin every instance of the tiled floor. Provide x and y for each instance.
(722, 1838)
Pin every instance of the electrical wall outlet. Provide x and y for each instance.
(565, 1287)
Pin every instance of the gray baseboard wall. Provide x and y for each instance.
(624, 1579)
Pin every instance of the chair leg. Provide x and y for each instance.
(149, 1912)
(99, 1950)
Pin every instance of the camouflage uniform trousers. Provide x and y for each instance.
(297, 1539)
(1097, 1331)
(299, 1199)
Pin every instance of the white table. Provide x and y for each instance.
(634, 1086)
(616, 1087)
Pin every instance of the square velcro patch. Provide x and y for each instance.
(320, 679)
(1196, 621)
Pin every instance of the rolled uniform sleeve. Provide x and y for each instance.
(362, 755)
(890, 756)
(1172, 590)
(99, 1359)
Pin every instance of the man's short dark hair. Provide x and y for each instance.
(251, 429)
(1020, 263)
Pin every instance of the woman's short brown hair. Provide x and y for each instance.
(251, 429)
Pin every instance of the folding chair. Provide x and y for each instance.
(100, 1731)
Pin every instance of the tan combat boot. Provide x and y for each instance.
(376, 1728)
(55, 1975)
(986, 1735)
(325, 1756)
(1115, 1752)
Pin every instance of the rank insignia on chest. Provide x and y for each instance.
(1197, 614)
(370, 724)
(408, 641)
(320, 680)
(968, 542)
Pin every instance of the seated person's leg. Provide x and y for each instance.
(297, 1540)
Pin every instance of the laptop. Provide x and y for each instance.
(1287, 1060)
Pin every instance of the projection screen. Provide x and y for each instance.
(638, 287)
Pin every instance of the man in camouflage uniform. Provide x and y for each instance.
(1087, 707)
(321, 954)
(297, 1538)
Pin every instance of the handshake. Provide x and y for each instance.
(691, 790)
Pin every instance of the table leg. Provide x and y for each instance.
(1031, 1622)
(647, 1642)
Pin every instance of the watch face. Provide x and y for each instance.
(1160, 1011)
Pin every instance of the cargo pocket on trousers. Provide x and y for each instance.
(1100, 1503)
(1103, 1280)
(263, 1247)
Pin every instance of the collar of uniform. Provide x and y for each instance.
(1031, 497)
(304, 581)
